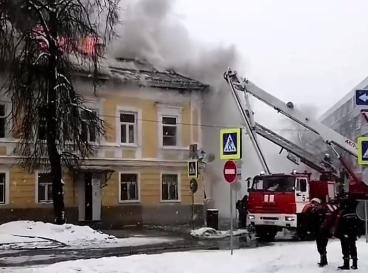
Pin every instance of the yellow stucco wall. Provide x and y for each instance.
(22, 184)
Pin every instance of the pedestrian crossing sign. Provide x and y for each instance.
(231, 144)
(363, 150)
(193, 169)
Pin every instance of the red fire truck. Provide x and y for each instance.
(280, 200)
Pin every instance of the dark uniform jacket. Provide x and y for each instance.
(319, 224)
(347, 222)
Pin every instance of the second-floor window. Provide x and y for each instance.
(44, 188)
(88, 130)
(169, 131)
(2, 188)
(128, 128)
(2, 120)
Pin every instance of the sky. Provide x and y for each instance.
(310, 52)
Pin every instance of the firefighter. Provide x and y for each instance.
(347, 231)
(242, 207)
(320, 228)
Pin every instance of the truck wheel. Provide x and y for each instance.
(266, 234)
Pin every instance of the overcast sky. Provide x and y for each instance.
(311, 51)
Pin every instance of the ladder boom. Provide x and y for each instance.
(289, 110)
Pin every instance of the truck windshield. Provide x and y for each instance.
(273, 183)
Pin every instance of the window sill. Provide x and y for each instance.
(174, 148)
(45, 203)
(127, 145)
(170, 201)
(129, 202)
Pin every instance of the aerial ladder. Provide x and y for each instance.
(330, 137)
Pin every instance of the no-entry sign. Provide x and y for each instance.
(230, 171)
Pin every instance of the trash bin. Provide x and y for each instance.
(212, 218)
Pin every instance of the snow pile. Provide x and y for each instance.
(210, 233)
(301, 257)
(29, 234)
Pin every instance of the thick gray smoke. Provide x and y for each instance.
(151, 31)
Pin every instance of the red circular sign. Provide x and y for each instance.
(230, 171)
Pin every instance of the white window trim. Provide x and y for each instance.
(170, 111)
(179, 187)
(138, 133)
(8, 122)
(7, 186)
(139, 188)
(36, 190)
(93, 109)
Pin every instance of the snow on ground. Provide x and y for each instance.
(210, 233)
(298, 257)
(29, 234)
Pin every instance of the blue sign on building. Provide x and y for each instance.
(361, 97)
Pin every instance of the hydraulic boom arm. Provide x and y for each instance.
(287, 109)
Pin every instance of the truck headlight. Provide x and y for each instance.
(289, 218)
(251, 217)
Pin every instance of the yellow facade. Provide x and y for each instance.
(147, 157)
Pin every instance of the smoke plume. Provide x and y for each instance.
(151, 31)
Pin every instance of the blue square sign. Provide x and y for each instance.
(361, 97)
(363, 150)
(230, 144)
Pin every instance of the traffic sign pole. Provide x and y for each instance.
(231, 221)
(231, 176)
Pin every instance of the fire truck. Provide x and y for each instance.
(282, 201)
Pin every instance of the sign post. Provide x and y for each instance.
(230, 175)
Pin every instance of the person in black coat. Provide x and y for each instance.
(347, 224)
(320, 229)
(242, 207)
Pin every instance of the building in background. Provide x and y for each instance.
(139, 172)
(347, 120)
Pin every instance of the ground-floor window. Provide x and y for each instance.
(44, 185)
(129, 187)
(2, 188)
(170, 187)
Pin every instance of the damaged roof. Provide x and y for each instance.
(133, 71)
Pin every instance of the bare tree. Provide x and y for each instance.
(41, 44)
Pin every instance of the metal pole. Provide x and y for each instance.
(192, 211)
(366, 218)
(231, 221)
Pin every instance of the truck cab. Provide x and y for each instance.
(275, 201)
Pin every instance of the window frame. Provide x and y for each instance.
(5, 119)
(135, 124)
(37, 173)
(170, 111)
(138, 184)
(98, 115)
(7, 187)
(170, 125)
(178, 174)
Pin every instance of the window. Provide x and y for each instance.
(302, 185)
(169, 187)
(128, 128)
(2, 120)
(2, 188)
(88, 132)
(169, 131)
(44, 188)
(129, 188)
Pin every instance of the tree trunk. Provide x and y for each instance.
(52, 124)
